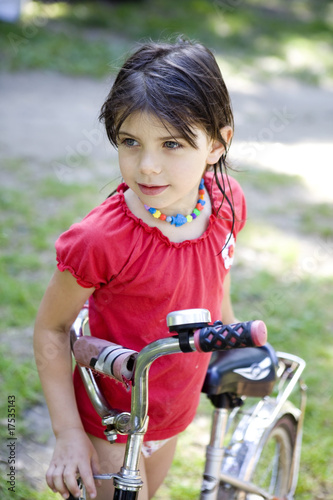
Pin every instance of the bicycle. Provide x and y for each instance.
(261, 458)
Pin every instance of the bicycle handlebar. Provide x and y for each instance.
(195, 333)
(119, 362)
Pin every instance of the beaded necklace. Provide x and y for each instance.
(180, 219)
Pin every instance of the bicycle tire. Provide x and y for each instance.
(269, 466)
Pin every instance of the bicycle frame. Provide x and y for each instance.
(128, 482)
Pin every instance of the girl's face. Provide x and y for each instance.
(162, 169)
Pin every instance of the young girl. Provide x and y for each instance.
(163, 242)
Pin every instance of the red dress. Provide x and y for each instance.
(140, 276)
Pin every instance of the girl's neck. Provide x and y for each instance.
(188, 231)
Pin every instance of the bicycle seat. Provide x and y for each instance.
(250, 371)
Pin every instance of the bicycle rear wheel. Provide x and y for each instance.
(269, 466)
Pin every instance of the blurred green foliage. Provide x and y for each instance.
(90, 38)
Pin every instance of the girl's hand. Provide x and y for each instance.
(74, 454)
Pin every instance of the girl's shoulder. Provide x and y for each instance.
(225, 191)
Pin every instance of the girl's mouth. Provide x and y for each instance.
(151, 190)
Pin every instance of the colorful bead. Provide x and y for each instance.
(179, 219)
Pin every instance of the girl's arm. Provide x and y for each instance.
(74, 452)
(228, 316)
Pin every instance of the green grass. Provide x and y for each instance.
(317, 219)
(24, 492)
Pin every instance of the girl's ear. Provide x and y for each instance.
(217, 149)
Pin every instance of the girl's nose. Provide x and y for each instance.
(149, 164)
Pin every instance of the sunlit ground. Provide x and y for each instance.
(308, 160)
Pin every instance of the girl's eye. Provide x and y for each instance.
(130, 143)
(172, 145)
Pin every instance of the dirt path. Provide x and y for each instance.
(51, 122)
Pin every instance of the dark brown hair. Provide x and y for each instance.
(180, 83)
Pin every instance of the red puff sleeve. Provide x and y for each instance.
(83, 249)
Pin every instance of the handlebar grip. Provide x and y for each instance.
(105, 357)
(220, 337)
